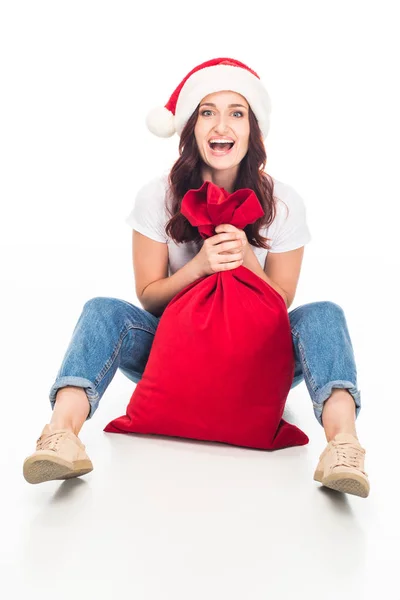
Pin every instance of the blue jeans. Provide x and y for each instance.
(112, 333)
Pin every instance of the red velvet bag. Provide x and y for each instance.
(222, 363)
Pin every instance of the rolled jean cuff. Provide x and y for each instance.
(91, 393)
(325, 392)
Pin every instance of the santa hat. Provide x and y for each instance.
(211, 76)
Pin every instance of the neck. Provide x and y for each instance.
(225, 179)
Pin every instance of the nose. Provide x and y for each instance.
(222, 125)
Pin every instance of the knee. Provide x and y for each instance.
(323, 312)
(112, 309)
(101, 305)
(326, 308)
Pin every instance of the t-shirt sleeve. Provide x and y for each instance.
(291, 228)
(148, 213)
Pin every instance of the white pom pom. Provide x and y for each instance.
(161, 122)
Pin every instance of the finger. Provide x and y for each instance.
(225, 227)
(230, 257)
(219, 238)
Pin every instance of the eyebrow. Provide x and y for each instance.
(229, 105)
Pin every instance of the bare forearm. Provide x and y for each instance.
(251, 262)
(157, 295)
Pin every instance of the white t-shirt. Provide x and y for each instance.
(286, 232)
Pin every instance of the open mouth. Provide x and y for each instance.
(220, 148)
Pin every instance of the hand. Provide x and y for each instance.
(222, 252)
(239, 232)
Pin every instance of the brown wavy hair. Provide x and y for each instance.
(186, 174)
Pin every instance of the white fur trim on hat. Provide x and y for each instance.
(161, 122)
(218, 78)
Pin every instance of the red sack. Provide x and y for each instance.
(222, 362)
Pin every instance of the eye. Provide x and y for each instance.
(235, 112)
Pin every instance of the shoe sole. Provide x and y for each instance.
(355, 484)
(40, 469)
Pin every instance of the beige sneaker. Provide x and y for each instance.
(59, 455)
(341, 466)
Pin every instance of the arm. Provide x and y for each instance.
(251, 262)
(281, 270)
(284, 269)
(157, 295)
(154, 288)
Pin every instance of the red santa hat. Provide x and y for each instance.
(211, 76)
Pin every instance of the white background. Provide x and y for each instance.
(163, 518)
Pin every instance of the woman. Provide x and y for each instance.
(221, 112)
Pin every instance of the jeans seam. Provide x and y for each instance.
(110, 361)
(307, 368)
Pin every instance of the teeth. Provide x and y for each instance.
(220, 141)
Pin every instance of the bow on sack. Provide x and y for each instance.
(210, 206)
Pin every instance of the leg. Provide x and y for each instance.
(339, 414)
(71, 409)
(110, 334)
(324, 355)
(323, 348)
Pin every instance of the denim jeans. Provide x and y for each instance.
(112, 333)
